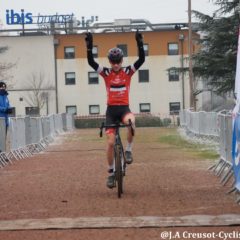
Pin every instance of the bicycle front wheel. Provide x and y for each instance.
(119, 172)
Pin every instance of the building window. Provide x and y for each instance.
(173, 74)
(69, 52)
(70, 78)
(174, 108)
(172, 48)
(33, 111)
(124, 49)
(94, 109)
(92, 78)
(145, 107)
(95, 51)
(71, 109)
(145, 48)
(143, 76)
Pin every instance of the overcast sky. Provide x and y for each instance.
(156, 11)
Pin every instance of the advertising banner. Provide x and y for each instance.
(236, 150)
(236, 123)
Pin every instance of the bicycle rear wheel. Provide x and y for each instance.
(119, 172)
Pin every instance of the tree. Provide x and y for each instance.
(4, 66)
(215, 62)
(38, 88)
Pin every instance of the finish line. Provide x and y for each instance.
(120, 222)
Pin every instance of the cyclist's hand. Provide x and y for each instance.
(139, 38)
(9, 111)
(89, 40)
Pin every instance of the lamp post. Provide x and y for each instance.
(192, 98)
(56, 43)
(181, 39)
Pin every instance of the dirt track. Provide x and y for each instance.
(68, 180)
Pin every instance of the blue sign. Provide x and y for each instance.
(27, 18)
(43, 21)
(18, 18)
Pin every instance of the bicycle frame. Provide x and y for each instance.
(119, 156)
(118, 142)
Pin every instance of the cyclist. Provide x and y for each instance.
(117, 80)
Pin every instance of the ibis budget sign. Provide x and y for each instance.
(13, 17)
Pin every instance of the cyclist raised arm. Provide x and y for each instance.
(141, 53)
(89, 43)
(117, 80)
(95, 65)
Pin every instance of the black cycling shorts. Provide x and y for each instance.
(115, 114)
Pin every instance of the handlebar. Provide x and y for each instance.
(118, 125)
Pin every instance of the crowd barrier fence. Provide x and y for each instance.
(217, 126)
(30, 135)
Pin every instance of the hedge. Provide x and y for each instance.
(141, 121)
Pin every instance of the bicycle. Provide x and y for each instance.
(119, 156)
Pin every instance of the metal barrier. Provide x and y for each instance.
(52, 125)
(219, 125)
(200, 123)
(30, 135)
(3, 161)
(58, 123)
(3, 135)
(68, 122)
(17, 132)
(223, 168)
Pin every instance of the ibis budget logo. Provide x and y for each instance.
(13, 17)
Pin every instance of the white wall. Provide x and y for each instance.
(31, 55)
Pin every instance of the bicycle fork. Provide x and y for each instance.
(122, 158)
(122, 155)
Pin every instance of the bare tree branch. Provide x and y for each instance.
(39, 87)
(4, 67)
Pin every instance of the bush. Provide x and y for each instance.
(166, 122)
(88, 122)
(141, 121)
(148, 121)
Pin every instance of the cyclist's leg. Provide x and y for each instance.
(126, 118)
(128, 152)
(110, 132)
(110, 145)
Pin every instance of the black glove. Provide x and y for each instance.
(139, 39)
(89, 40)
(9, 111)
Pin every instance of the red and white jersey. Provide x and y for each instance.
(117, 84)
